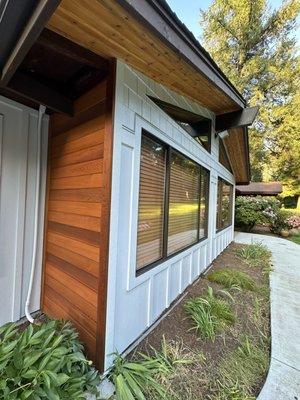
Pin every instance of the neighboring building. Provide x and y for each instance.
(259, 189)
(146, 140)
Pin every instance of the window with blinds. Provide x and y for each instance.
(224, 204)
(173, 202)
(151, 202)
(184, 194)
(204, 189)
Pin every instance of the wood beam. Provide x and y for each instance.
(236, 119)
(30, 33)
(31, 89)
(67, 48)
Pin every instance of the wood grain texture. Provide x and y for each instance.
(75, 273)
(122, 36)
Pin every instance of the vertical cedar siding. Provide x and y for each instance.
(77, 220)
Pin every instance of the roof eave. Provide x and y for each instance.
(165, 24)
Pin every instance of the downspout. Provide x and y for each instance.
(36, 211)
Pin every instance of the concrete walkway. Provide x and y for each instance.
(283, 380)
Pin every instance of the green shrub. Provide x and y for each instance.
(44, 362)
(252, 210)
(278, 222)
(231, 278)
(209, 314)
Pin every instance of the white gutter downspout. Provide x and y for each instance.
(36, 211)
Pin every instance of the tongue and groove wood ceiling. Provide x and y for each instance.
(107, 29)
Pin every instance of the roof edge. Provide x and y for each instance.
(158, 16)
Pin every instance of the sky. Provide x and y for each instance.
(188, 12)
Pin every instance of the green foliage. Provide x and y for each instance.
(44, 362)
(233, 279)
(244, 367)
(255, 46)
(209, 314)
(290, 212)
(252, 210)
(255, 254)
(278, 222)
(295, 238)
(133, 380)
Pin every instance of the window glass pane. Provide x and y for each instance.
(204, 192)
(224, 204)
(183, 202)
(151, 203)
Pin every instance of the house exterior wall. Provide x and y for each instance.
(18, 154)
(135, 302)
(74, 286)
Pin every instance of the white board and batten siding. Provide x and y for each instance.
(18, 154)
(135, 302)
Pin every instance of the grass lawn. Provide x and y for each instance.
(213, 345)
(295, 238)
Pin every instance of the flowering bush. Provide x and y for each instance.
(252, 210)
(278, 222)
(294, 221)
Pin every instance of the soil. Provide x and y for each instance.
(176, 327)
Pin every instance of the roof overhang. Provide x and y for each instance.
(236, 119)
(237, 147)
(259, 188)
(146, 35)
(21, 24)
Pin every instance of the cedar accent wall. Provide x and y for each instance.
(77, 220)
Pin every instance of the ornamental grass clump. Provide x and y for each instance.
(255, 254)
(233, 279)
(209, 314)
(44, 362)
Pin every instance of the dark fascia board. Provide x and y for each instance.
(236, 119)
(31, 89)
(13, 17)
(248, 166)
(164, 23)
(28, 33)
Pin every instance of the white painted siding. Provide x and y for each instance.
(134, 303)
(18, 151)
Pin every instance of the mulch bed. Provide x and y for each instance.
(176, 327)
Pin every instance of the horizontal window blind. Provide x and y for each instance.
(204, 187)
(183, 202)
(151, 202)
(173, 202)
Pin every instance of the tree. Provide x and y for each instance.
(256, 48)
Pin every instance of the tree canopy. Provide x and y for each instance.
(255, 46)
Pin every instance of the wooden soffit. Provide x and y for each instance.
(236, 144)
(111, 30)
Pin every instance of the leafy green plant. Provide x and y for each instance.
(255, 254)
(252, 210)
(278, 222)
(44, 362)
(132, 379)
(233, 279)
(209, 314)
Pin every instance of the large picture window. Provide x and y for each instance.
(224, 204)
(173, 202)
